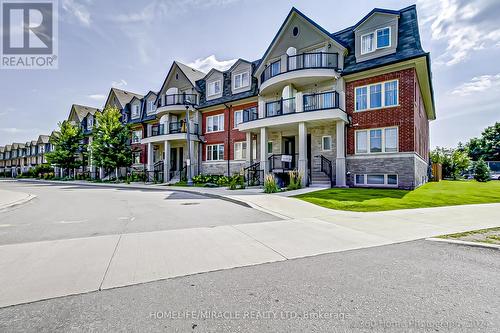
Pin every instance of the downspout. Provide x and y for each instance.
(228, 139)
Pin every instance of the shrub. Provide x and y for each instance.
(481, 171)
(270, 185)
(295, 180)
(237, 181)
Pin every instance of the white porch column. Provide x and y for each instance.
(192, 163)
(263, 150)
(262, 108)
(299, 102)
(166, 163)
(150, 157)
(303, 152)
(101, 173)
(249, 148)
(340, 161)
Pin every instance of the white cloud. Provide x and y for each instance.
(478, 84)
(14, 130)
(119, 84)
(463, 26)
(206, 64)
(97, 97)
(78, 10)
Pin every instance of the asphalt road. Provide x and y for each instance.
(418, 286)
(71, 211)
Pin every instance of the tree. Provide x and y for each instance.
(487, 146)
(67, 147)
(110, 145)
(481, 171)
(453, 161)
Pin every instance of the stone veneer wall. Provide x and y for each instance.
(421, 172)
(409, 168)
(220, 168)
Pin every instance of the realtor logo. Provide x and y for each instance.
(29, 34)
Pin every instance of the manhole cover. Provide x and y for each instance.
(190, 203)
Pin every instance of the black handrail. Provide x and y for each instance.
(254, 176)
(181, 127)
(276, 162)
(312, 60)
(305, 60)
(250, 114)
(178, 99)
(157, 130)
(280, 107)
(321, 101)
(326, 167)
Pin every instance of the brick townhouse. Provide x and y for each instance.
(345, 108)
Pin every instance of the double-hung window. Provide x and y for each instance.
(367, 43)
(240, 150)
(215, 152)
(241, 80)
(90, 122)
(326, 143)
(377, 95)
(151, 106)
(383, 38)
(214, 88)
(136, 136)
(135, 111)
(238, 118)
(378, 39)
(377, 140)
(215, 123)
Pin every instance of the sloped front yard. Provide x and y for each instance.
(444, 193)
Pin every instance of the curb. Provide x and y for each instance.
(459, 242)
(19, 202)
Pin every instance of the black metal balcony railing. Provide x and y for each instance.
(177, 99)
(282, 162)
(250, 114)
(321, 101)
(181, 127)
(157, 130)
(281, 107)
(302, 61)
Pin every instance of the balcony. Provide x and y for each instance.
(173, 131)
(175, 102)
(294, 110)
(301, 69)
(181, 127)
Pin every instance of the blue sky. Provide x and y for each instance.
(131, 45)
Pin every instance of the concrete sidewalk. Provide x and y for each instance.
(40, 270)
(10, 199)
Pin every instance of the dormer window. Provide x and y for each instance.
(135, 111)
(90, 122)
(241, 80)
(151, 106)
(214, 88)
(379, 39)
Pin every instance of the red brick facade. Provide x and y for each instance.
(230, 135)
(140, 147)
(409, 116)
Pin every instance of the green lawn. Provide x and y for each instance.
(444, 193)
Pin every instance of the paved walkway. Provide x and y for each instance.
(39, 270)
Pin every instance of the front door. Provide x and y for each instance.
(289, 149)
(173, 159)
(181, 158)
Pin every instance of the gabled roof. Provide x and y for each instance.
(8, 147)
(212, 71)
(33, 142)
(43, 139)
(236, 63)
(192, 74)
(374, 11)
(82, 111)
(124, 97)
(295, 11)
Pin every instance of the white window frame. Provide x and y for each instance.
(323, 143)
(375, 46)
(151, 107)
(242, 150)
(135, 108)
(382, 91)
(385, 184)
(220, 124)
(90, 122)
(214, 93)
(135, 136)
(376, 38)
(209, 152)
(240, 112)
(374, 42)
(368, 148)
(240, 75)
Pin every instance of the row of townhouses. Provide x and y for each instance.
(349, 108)
(18, 158)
